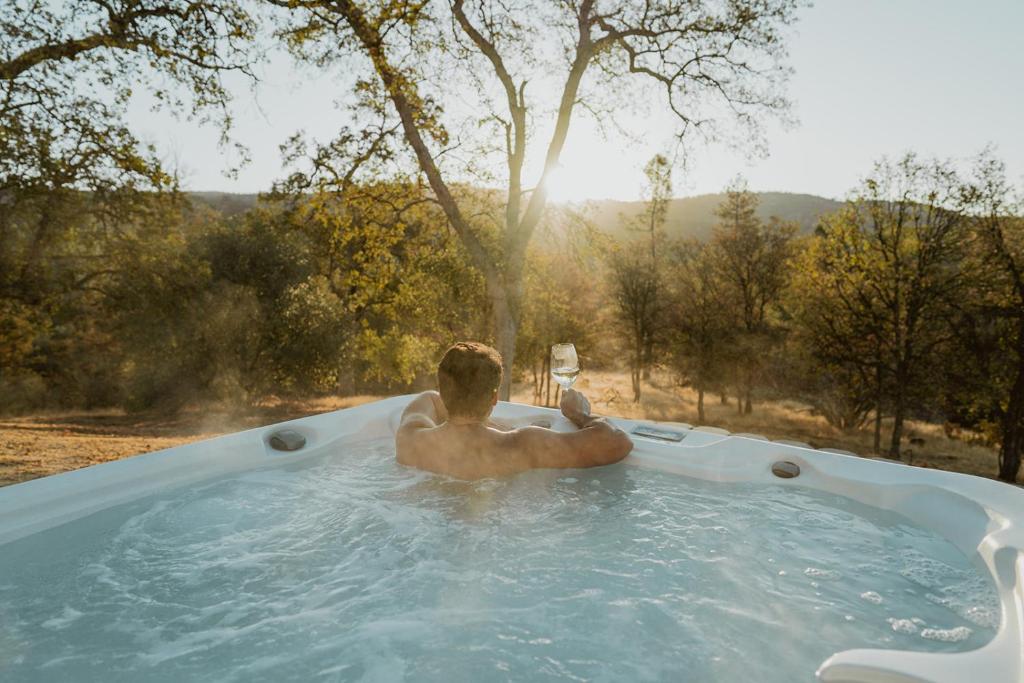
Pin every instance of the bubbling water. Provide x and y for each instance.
(354, 568)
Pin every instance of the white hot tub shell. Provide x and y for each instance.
(983, 518)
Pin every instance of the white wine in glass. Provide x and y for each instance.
(565, 365)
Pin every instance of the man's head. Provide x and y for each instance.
(468, 379)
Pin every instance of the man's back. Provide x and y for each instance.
(472, 449)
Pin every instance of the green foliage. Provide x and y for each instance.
(710, 61)
(751, 259)
(68, 71)
(638, 308)
(879, 283)
(80, 197)
(561, 303)
(988, 392)
(175, 305)
(701, 327)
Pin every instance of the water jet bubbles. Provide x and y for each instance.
(824, 574)
(903, 625)
(986, 616)
(872, 597)
(947, 635)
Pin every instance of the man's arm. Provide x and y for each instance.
(596, 443)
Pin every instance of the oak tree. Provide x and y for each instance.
(479, 88)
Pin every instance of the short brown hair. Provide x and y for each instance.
(467, 378)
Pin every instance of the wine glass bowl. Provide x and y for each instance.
(565, 364)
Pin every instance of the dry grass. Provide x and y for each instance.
(40, 445)
(610, 394)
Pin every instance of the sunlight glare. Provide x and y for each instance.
(564, 186)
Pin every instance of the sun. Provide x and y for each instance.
(564, 186)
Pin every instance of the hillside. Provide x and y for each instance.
(687, 216)
(695, 216)
(228, 203)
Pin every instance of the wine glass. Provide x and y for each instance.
(565, 365)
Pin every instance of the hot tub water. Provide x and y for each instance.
(354, 568)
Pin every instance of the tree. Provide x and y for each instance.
(884, 276)
(635, 294)
(638, 295)
(74, 181)
(68, 70)
(699, 328)
(379, 243)
(752, 259)
(711, 61)
(838, 323)
(560, 305)
(651, 221)
(993, 324)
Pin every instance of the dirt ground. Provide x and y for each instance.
(39, 445)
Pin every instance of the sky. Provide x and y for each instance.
(872, 78)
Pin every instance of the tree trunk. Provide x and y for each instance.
(638, 364)
(648, 355)
(878, 409)
(700, 405)
(899, 409)
(748, 406)
(538, 382)
(547, 378)
(1009, 453)
(723, 398)
(1013, 430)
(878, 429)
(506, 324)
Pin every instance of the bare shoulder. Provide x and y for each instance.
(424, 411)
(419, 418)
(410, 437)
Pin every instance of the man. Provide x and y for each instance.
(448, 431)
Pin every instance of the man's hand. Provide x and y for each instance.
(575, 407)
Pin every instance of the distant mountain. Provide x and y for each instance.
(687, 216)
(695, 216)
(228, 203)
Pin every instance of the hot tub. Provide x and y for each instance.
(700, 559)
